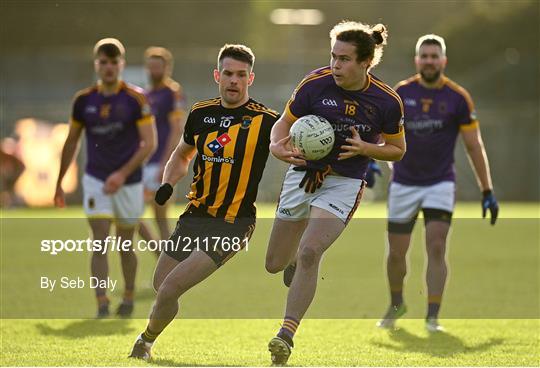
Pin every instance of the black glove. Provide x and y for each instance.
(372, 169)
(313, 178)
(163, 193)
(489, 201)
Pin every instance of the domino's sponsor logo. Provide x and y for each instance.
(329, 102)
(218, 160)
(219, 143)
(410, 102)
(209, 120)
(333, 206)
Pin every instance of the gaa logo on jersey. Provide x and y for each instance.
(219, 143)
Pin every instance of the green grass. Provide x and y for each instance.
(229, 318)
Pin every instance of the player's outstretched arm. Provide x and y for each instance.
(280, 145)
(479, 162)
(178, 164)
(392, 149)
(68, 152)
(147, 145)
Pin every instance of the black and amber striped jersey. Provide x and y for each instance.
(232, 149)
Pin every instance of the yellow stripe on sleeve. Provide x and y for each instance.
(148, 119)
(472, 126)
(399, 134)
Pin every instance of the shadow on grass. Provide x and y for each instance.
(440, 344)
(86, 328)
(178, 363)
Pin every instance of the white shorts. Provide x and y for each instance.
(150, 180)
(126, 205)
(404, 201)
(338, 195)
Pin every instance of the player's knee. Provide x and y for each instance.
(309, 257)
(396, 255)
(156, 283)
(168, 292)
(273, 265)
(436, 251)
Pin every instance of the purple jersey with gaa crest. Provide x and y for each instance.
(433, 119)
(110, 122)
(374, 111)
(167, 102)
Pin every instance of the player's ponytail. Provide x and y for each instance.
(379, 34)
(369, 41)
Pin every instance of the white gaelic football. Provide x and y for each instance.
(313, 136)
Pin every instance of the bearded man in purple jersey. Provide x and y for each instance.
(120, 135)
(318, 198)
(437, 110)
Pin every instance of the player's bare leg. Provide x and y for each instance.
(165, 265)
(186, 274)
(283, 246)
(129, 270)
(145, 232)
(437, 270)
(99, 266)
(322, 230)
(396, 269)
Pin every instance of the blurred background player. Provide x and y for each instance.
(436, 111)
(229, 136)
(168, 104)
(120, 135)
(11, 168)
(362, 110)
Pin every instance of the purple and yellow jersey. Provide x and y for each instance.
(232, 149)
(433, 119)
(112, 137)
(167, 102)
(374, 111)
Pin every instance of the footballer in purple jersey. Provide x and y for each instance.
(375, 112)
(318, 198)
(168, 105)
(436, 111)
(120, 135)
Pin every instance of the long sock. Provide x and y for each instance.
(396, 296)
(149, 336)
(102, 300)
(434, 304)
(288, 329)
(128, 297)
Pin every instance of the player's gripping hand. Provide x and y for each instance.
(372, 169)
(284, 151)
(490, 202)
(356, 146)
(313, 177)
(114, 182)
(163, 193)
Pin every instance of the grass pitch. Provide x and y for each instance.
(490, 309)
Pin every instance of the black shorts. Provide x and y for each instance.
(198, 231)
